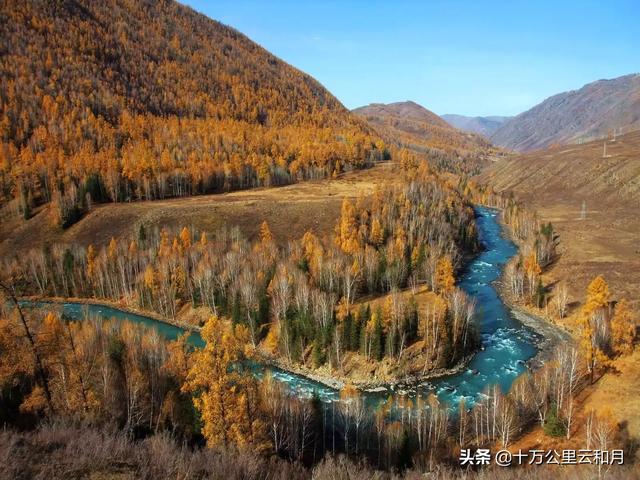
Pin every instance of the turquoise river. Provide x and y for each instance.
(506, 344)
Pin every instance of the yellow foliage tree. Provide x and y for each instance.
(376, 236)
(265, 233)
(532, 269)
(185, 238)
(91, 262)
(224, 397)
(592, 319)
(598, 295)
(203, 240)
(623, 329)
(445, 281)
(113, 249)
(273, 338)
(347, 228)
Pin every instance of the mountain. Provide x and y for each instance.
(576, 116)
(409, 125)
(409, 112)
(485, 126)
(590, 199)
(147, 99)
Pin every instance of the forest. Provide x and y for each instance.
(145, 101)
(118, 377)
(299, 302)
(121, 101)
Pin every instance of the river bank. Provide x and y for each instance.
(114, 305)
(551, 335)
(337, 381)
(324, 376)
(506, 344)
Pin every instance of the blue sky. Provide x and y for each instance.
(466, 57)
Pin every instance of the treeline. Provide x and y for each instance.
(114, 101)
(298, 301)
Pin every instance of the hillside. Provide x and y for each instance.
(593, 111)
(290, 211)
(146, 100)
(409, 125)
(557, 181)
(485, 126)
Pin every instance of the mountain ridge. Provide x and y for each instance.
(144, 100)
(411, 126)
(590, 112)
(482, 125)
(409, 117)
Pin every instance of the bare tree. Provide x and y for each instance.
(561, 299)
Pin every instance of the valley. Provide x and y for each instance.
(557, 182)
(506, 345)
(590, 200)
(214, 265)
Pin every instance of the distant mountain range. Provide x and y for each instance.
(413, 126)
(591, 112)
(485, 126)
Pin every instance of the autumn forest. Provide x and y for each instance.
(384, 303)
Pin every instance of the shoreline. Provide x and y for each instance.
(550, 337)
(114, 305)
(551, 334)
(335, 382)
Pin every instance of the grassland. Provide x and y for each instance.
(605, 240)
(557, 181)
(290, 211)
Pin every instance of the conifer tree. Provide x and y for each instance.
(623, 329)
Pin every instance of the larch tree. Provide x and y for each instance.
(623, 329)
(593, 324)
(265, 233)
(532, 269)
(223, 396)
(445, 280)
(347, 228)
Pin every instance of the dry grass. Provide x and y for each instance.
(70, 452)
(555, 182)
(620, 390)
(289, 210)
(421, 295)
(60, 452)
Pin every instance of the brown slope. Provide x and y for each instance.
(591, 112)
(557, 181)
(290, 211)
(409, 125)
